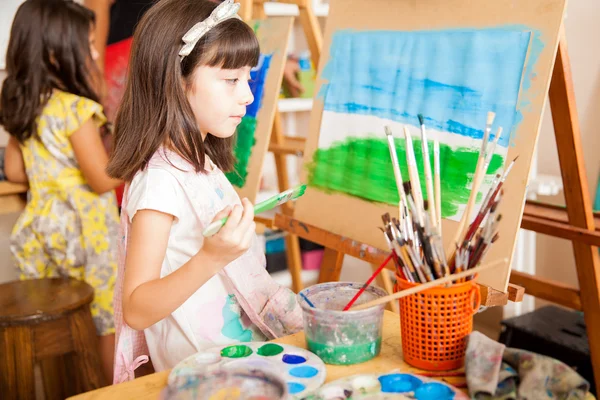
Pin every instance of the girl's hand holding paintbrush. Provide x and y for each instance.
(263, 206)
(235, 237)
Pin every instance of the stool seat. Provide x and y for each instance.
(47, 322)
(36, 300)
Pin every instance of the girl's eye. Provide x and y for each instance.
(232, 81)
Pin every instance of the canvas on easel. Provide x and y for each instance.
(384, 62)
(254, 132)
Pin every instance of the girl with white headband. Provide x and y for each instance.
(178, 292)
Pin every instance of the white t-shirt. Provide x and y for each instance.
(212, 315)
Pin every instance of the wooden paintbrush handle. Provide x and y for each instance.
(429, 285)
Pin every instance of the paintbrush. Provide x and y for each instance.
(482, 252)
(431, 250)
(400, 245)
(478, 177)
(408, 275)
(427, 167)
(486, 234)
(263, 206)
(414, 212)
(483, 210)
(307, 300)
(421, 273)
(438, 185)
(387, 233)
(397, 173)
(490, 153)
(489, 201)
(366, 285)
(395, 239)
(413, 174)
(428, 285)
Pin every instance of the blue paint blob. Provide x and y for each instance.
(434, 391)
(304, 372)
(295, 387)
(258, 76)
(293, 359)
(399, 383)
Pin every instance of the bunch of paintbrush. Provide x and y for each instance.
(415, 238)
(422, 264)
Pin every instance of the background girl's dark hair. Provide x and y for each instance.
(48, 49)
(155, 110)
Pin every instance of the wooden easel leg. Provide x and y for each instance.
(331, 266)
(292, 242)
(294, 261)
(277, 138)
(579, 209)
(246, 9)
(312, 31)
(258, 11)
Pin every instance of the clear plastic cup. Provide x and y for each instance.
(342, 337)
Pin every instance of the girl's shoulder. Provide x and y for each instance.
(170, 160)
(74, 110)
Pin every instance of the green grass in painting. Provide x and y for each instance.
(362, 167)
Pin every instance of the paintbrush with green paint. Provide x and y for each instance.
(269, 204)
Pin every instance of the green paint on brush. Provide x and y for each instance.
(242, 150)
(362, 167)
(237, 351)
(270, 350)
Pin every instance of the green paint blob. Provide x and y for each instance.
(237, 351)
(362, 167)
(232, 323)
(244, 140)
(345, 355)
(270, 350)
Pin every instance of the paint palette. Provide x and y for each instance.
(302, 371)
(391, 386)
(225, 384)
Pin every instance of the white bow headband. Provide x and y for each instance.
(224, 11)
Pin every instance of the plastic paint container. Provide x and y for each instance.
(342, 337)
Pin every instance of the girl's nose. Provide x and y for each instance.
(247, 97)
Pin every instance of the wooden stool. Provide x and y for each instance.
(48, 321)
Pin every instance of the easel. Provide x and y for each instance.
(282, 145)
(575, 223)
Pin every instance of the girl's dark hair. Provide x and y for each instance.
(155, 110)
(48, 49)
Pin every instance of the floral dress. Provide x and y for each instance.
(66, 228)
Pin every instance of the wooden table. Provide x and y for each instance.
(149, 387)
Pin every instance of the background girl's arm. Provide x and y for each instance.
(92, 158)
(14, 166)
(102, 10)
(148, 298)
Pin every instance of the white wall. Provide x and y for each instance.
(7, 12)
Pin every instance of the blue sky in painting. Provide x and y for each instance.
(452, 77)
